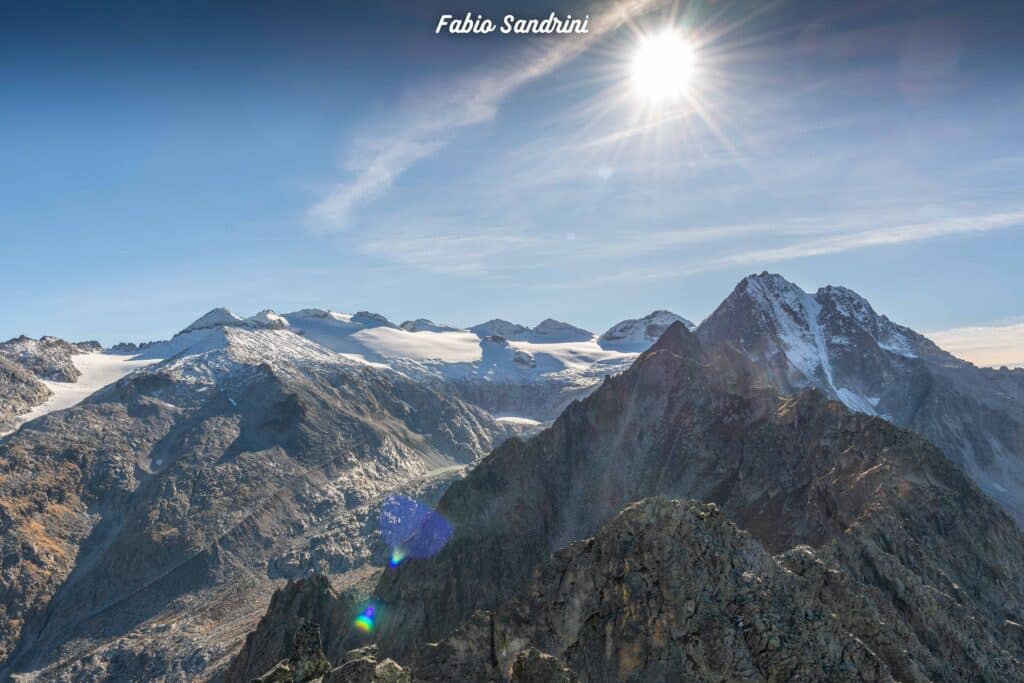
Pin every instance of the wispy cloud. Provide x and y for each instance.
(450, 254)
(992, 345)
(847, 239)
(434, 117)
(886, 236)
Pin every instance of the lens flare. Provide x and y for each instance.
(412, 529)
(365, 622)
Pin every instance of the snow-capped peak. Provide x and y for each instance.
(218, 317)
(852, 307)
(267, 319)
(549, 331)
(636, 334)
(222, 317)
(499, 327)
(771, 286)
(557, 331)
(826, 339)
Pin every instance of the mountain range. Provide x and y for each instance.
(859, 483)
(865, 553)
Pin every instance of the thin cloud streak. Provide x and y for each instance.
(876, 238)
(436, 117)
(450, 254)
(817, 246)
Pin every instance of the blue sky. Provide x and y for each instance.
(160, 159)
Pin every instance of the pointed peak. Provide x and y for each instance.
(768, 284)
(217, 317)
(637, 334)
(677, 339)
(268, 319)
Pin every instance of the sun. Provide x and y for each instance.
(663, 67)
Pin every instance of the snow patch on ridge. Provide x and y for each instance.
(98, 369)
(799, 320)
(639, 333)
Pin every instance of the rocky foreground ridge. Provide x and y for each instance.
(867, 553)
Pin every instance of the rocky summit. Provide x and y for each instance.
(834, 340)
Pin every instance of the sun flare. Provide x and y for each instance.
(663, 67)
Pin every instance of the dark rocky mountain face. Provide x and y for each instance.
(20, 390)
(46, 358)
(882, 529)
(834, 341)
(142, 532)
(666, 591)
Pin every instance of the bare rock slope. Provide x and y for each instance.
(142, 531)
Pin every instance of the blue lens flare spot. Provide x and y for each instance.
(366, 622)
(397, 555)
(412, 529)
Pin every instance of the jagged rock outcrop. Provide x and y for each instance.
(365, 666)
(666, 591)
(47, 357)
(917, 544)
(834, 340)
(533, 666)
(20, 390)
(311, 599)
(307, 661)
(279, 635)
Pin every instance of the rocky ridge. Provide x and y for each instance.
(667, 590)
(20, 390)
(47, 358)
(912, 558)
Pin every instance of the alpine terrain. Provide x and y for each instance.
(796, 488)
(830, 545)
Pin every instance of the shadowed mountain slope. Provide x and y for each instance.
(912, 539)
